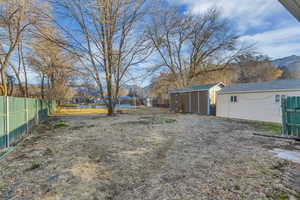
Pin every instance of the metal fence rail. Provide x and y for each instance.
(18, 115)
(291, 116)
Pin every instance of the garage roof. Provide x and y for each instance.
(195, 88)
(277, 85)
(293, 6)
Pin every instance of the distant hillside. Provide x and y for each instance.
(137, 89)
(290, 65)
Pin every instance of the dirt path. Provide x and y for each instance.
(147, 155)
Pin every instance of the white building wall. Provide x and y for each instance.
(213, 93)
(259, 106)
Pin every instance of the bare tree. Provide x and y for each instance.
(55, 66)
(18, 20)
(245, 68)
(255, 68)
(15, 17)
(192, 45)
(109, 40)
(20, 70)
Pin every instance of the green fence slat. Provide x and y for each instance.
(3, 138)
(291, 116)
(23, 115)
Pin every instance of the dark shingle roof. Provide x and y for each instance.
(277, 85)
(194, 88)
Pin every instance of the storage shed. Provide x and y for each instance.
(259, 101)
(195, 99)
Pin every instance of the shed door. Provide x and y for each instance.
(175, 102)
(185, 102)
(203, 102)
(194, 102)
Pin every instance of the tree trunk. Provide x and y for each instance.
(111, 109)
(110, 105)
(10, 86)
(42, 86)
(21, 88)
(24, 69)
(4, 82)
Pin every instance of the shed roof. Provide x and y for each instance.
(195, 88)
(293, 6)
(277, 85)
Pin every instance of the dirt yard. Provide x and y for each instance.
(148, 155)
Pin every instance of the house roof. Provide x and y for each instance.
(293, 6)
(277, 85)
(194, 88)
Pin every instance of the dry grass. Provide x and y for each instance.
(86, 171)
(79, 111)
(111, 158)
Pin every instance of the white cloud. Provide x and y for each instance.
(249, 13)
(264, 22)
(276, 43)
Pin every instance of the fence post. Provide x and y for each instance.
(37, 111)
(284, 122)
(7, 122)
(283, 119)
(26, 115)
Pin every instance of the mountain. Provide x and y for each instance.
(141, 91)
(290, 65)
(146, 89)
(83, 91)
(134, 89)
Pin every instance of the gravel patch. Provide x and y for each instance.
(147, 154)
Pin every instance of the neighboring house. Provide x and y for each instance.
(293, 6)
(259, 101)
(195, 99)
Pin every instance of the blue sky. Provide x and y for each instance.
(266, 23)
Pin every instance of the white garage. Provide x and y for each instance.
(256, 101)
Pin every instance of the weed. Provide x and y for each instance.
(169, 121)
(266, 171)
(162, 120)
(3, 186)
(270, 128)
(147, 121)
(273, 129)
(61, 124)
(140, 122)
(76, 127)
(147, 117)
(283, 196)
(35, 164)
(91, 126)
(81, 126)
